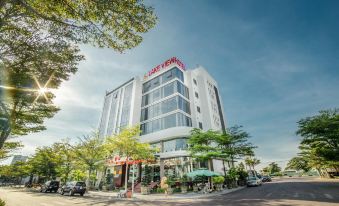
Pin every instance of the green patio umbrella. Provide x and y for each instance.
(202, 172)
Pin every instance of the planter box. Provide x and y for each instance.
(144, 190)
(169, 191)
(183, 189)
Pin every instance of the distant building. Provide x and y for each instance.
(17, 158)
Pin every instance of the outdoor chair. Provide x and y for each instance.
(122, 194)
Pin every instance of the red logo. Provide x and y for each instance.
(164, 65)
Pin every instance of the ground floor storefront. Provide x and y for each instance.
(175, 167)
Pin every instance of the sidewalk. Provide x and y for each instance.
(152, 197)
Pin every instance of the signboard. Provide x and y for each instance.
(165, 65)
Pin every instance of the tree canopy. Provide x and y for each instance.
(127, 145)
(226, 146)
(320, 140)
(39, 49)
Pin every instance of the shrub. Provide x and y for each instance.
(2, 202)
(160, 190)
(218, 179)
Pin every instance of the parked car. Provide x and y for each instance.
(266, 179)
(73, 187)
(253, 181)
(50, 186)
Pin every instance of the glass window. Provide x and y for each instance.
(169, 121)
(196, 95)
(180, 74)
(200, 125)
(156, 95)
(169, 146)
(180, 144)
(168, 89)
(198, 109)
(156, 125)
(169, 105)
(195, 81)
(168, 76)
(126, 105)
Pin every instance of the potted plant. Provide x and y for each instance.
(218, 181)
(129, 193)
(183, 182)
(170, 182)
(145, 181)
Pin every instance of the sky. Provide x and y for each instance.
(275, 62)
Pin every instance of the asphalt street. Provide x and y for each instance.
(286, 191)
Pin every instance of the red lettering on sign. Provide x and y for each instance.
(167, 63)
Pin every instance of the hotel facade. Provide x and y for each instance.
(167, 102)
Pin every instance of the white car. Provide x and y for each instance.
(253, 181)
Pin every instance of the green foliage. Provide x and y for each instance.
(170, 181)
(78, 175)
(218, 180)
(241, 171)
(127, 145)
(8, 148)
(227, 146)
(232, 174)
(298, 163)
(320, 140)
(251, 162)
(201, 146)
(90, 153)
(39, 41)
(44, 162)
(2, 202)
(273, 168)
(160, 190)
(146, 179)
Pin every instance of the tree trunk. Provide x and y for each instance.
(223, 162)
(126, 175)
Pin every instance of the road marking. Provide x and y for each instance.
(269, 194)
(328, 196)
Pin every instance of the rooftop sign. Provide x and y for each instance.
(164, 65)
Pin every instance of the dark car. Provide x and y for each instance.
(50, 186)
(73, 187)
(266, 179)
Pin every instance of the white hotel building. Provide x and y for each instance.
(167, 103)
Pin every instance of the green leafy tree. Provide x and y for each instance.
(127, 145)
(90, 154)
(227, 146)
(8, 148)
(251, 162)
(203, 145)
(38, 49)
(298, 163)
(273, 168)
(320, 139)
(233, 144)
(67, 158)
(44, 162)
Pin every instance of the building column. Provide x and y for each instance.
(162, 168)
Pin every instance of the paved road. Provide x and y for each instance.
(280, 192)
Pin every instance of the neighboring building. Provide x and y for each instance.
(17, 158)
(167, 102)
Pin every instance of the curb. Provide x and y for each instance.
(162, 197)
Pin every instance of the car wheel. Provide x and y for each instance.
(61, 192)
(82, 194)
(71, 193)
